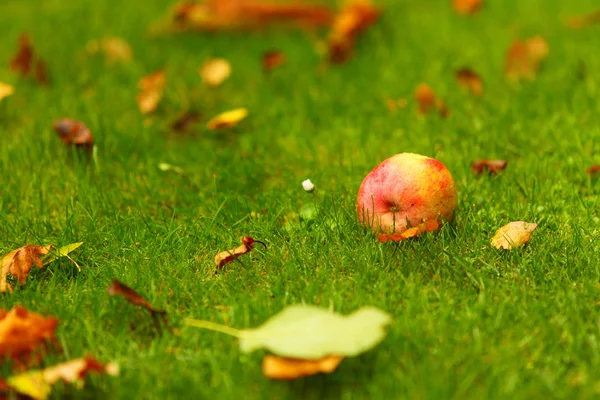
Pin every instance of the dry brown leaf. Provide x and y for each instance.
(118, 288)
(582, 21)
(272, 59)
(524, 58)
(73, 132)
(593, 170)
(19, 262)
(466, 6)
(23, 334)
(6, 90)
(428, 102)
(226, 257)
(275, 367)
(469, 79)
(214, 71)
(234, 14)
(151, 87)
(355, 17)
(492, 166)
(426, 226)
(23, 62)
(227, 119)
(513, 234)
(115, 49)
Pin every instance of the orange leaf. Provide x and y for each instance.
(19, 262)
(22, 333)
(593, 170)
(582, 21)
(5, 90)
(492, 166)
(469, 79)
(524, 58)
(226, 257)
(355, 17)
(513, 234)
(151, 87)
(426, 226)
(272, 59)
(227, 119)
(73, 132)
(466, 6)
(428, 102)
(275, 367)
(215, 71)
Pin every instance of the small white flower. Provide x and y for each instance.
(308, 186)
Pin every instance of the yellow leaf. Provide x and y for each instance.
(5, 90)
(227, 119)
(215, 71)
(513, 234)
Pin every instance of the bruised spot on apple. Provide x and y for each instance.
(404, 191)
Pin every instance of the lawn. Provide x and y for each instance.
(469, 321)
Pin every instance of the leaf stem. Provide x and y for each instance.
(213, 326)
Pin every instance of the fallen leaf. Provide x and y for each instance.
(6, 90)
(227, 119)
(492, 166)
(118, 288)
(513, 234)
(41, 74)
(187, 118)
(524, 58)
(310, 332)
(272, 59)
(593, 170)
(355, 17)
(38, 383)
(151, 87)
(24, 333)
(115, 49)
(225, 257)
(469, 79)
(23, 62)
(73, 132)
(428, 102)
(274, 367)
(215, 71)
(582, 21)
(466, 6)
(426, 226)
(19, 262)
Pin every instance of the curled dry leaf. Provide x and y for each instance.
(23, 334)
(215, 71)
(524, 58)
(151, 87)
(582, 21)
(6, 90)
(355, 17)
(19, 262)
(593, 170)
(428, 102)
(492, 166)
(426, 226)
(38, 383)
(466, 6)
(115, 49)
(226, 257)
(227, 119)
(118, 288)
(274, 367)
(73, 132)
(469, 79)
(234, 14)
(24, 63)
(513, 234)
(272, 59)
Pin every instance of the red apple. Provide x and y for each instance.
(404, 191)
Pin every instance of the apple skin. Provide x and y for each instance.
(405, 190)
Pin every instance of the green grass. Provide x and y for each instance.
(469, 321)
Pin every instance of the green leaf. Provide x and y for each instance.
(63, 251)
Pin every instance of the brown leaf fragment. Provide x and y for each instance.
(275, 367)
(24, 334)
(582, 21)
(41, 73)
(593, 170)
(524, 58)
(19, 262)
(426, 226)
(428, 102)
(493, 167)
(22, 61)
(466, 7)
(355, 17)
(151, 87)
(513, 234)
(72, 132)
(226, 257)
(227, 119)
(272, 59)
(183, 122)
(215, 71)
(469, 79)
(118, 288)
